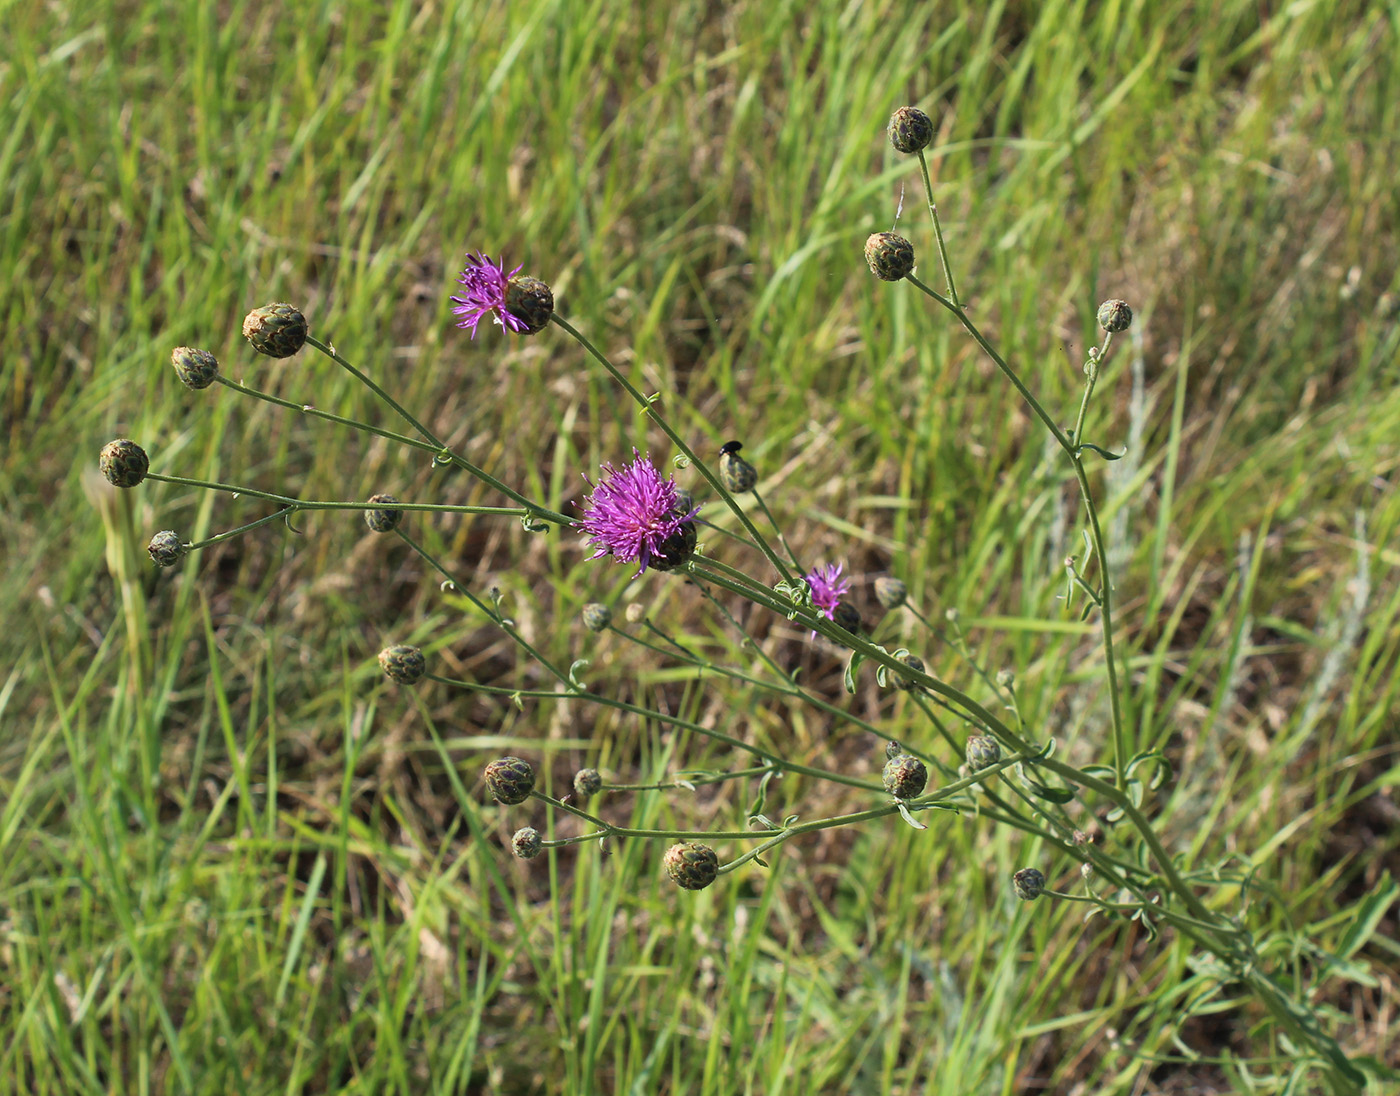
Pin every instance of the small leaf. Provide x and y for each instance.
(903, 810)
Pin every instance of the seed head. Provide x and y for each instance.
(692, 865)
(982, 752)
(195, 368)
(587, 783)
(914, 662)
(526, 843)
(910, 130)
(889, 257)
(379, 518)
(890, 592)
(403, 664)
(1028, 883)
(277, 330)
(1115, 316)
(596, 616)
(905, 776)
(166, 548)
(737, 474)
(124, 463)
(510, 780)
(531, 302)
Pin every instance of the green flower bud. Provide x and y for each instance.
(676, 549)
(890, 592)
(889, 257)
(531, 302)
(277, 330)
(526, 843)
(379, 519)
(1028, 884)
(195, 368)
(914, 662)
(1006, 678)
(892, 750)
(847, 616)
(587, 783)
(124, 463)
(510, 780)
(692, 865)
(910, 130)
(596, 616)
(905, 776)
(166, 548)
(403, 664)
(982, 752)
(737, 474)
(1115, 316)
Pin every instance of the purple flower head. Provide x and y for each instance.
(486, 284)
(632, 512)
(827, 587)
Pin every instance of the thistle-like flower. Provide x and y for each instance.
(889, 256)
(1115, 316)
(692, 865)
(277, 330)
(633, 515)
(587, 783)
(982, 752)
(381, 517)
(123, 462)
(910, 130)
(526, 843)
(510, 780)
(1028, 883)
(403, 664)
(905, 776)
(196, 368)
(827, 588)
(522, 305)
(166, 548)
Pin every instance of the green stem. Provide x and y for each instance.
(649, 407)
(938, 231)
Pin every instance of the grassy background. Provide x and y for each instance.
(232, 859)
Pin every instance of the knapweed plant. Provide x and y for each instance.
(964, 754)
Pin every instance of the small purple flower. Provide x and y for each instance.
(632, 512)
(827, 587)
(486, 284)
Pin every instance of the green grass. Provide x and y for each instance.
(233, 860)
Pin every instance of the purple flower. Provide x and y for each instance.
(632, 512)
(827, 586)
(486, 284)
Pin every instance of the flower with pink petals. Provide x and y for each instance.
(634, 514)
(827, 588)
(486, 284)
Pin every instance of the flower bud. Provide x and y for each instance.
(892, 750)
(380, 519)
(737, 474)
(587, 783)
(905, 776)
(889, 257)
(914, 662)
(526, 843)
(510, 780)
(1028, 883)
(166, 548)
(890, 592)
(847, 616)
(531, 302)
(910, 130)
(1115, 316)
(124, 463)
(403, 664)
(1086, 871)
(277, 330)
(673, 552)
(195, 368)
(692, 865)
(596, 616)
(1006, 678)
(982, 752)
